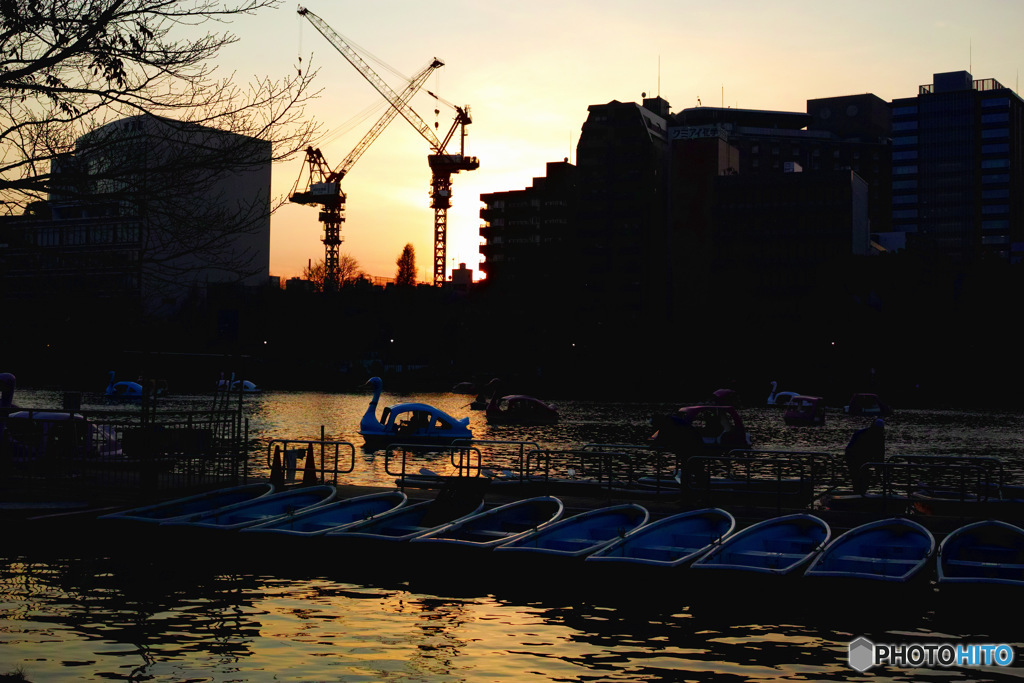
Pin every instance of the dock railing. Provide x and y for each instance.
(465, 459)
(783, 479)
(125, 451)
(935, 482)
(331, 458)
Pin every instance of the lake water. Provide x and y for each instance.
(124, 615)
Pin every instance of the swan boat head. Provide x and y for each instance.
(370, 423)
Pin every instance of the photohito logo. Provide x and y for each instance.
(864, 654)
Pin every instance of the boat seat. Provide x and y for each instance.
(401, 530)
(694, 540)
(476, 535)
(977, 563)
(570, 544)
(878, 560)
(661, 552)
(768, 553)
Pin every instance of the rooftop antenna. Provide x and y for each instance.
(659, 75)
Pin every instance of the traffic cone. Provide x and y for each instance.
(309, 473)
(276, 470)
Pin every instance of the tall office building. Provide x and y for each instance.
(957, 183)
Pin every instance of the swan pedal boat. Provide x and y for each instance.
(582, 534)
(894, 550)
(774, 547)
(416, 424)
(262, 509)
(805, 411)
(493, 527)
(517, 409)
(982, 554)
(191, 506)
(673, 541)
(335, 515)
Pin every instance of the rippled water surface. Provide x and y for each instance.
(184, 614)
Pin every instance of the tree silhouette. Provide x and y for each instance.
(406, 263)
(70, 66)
(83, 81)
(348, 271)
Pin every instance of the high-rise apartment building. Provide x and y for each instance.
(958, 169)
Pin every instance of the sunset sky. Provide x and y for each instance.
(529, 69)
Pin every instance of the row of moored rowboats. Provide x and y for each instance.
(887, 551)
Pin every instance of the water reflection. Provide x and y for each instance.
(122, 618)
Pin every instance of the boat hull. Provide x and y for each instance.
(264, 509)
(782, 546)
(672, 542)
(578, 536)
(183, 508)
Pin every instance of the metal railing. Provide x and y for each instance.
(292, 455)
(122, 451)
(784, 479)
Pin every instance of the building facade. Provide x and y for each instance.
(957, 179)
(144, 214)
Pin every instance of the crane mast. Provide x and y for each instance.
(442, 164)
(324, 186)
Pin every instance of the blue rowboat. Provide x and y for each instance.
(582, 534)
(263, 509)
(894, 550)
(779, 546)
(490, 528)
(674, 541)
(335, 515)
(191, 506)
(407, 522)
(988, 553)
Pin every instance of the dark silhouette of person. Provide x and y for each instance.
(866, 445)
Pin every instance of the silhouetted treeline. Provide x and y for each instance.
(916, 330)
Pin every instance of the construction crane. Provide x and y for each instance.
(324, 185)
(442, 163)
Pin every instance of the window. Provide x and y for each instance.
(48, 237)
(905, 213)
(995, 225)
(995, 239)
(904, 185)
(995, 194)
(995, 163)
(996, 102)
(994, 118)
(904, 140)
(905, 156)
(903, 111)
(995, 209)
(904, 125)
(995, 178)
(905, 199)
(904, 170)
(995, 133)
(1000, 147)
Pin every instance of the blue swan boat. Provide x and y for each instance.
(409, 423)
